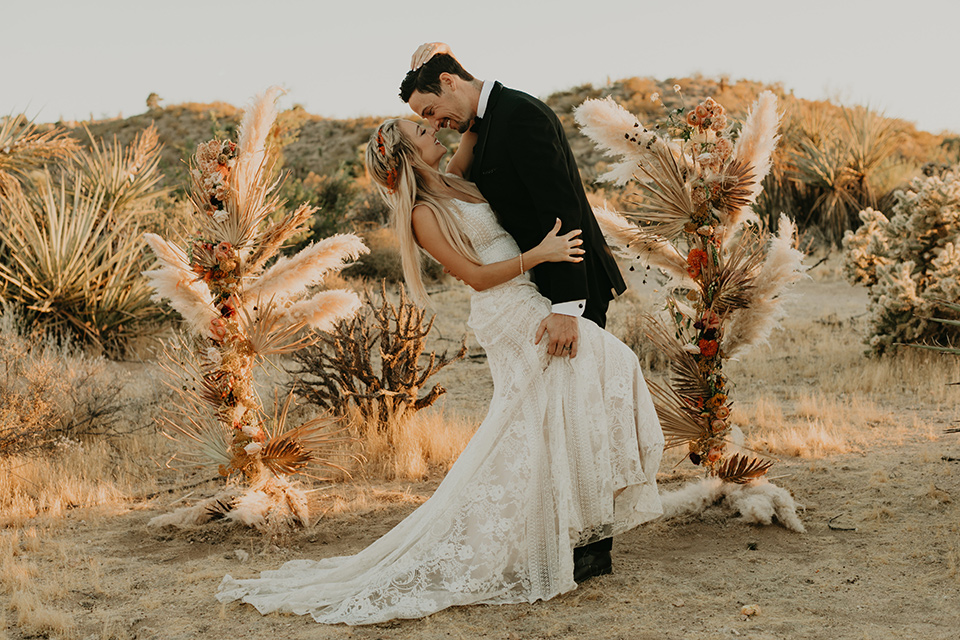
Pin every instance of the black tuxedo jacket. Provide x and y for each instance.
(525, 169)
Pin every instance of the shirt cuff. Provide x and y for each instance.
(572, 308)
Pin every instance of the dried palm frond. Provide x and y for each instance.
(273, 237)
(735, 190)
(218, 509)
(245, 215)
(741, 469)
(782, 268)
(204, 436)
(208, 439)
(679, 422)
(632, 242)
(667, 205)
(685, 375)
(24, 148)
(268, 331)
(308, 446)
(731, 281)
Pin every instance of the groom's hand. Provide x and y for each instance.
(563, 334)
(426, 51)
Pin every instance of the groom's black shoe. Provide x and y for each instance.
(590, 564)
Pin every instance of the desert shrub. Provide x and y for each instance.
(910, 263)
(50, 393)
(331, 194)
(384, 262)
(372, 363)
(369, 210)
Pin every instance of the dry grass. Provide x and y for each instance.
(429, 441)
(79, 474)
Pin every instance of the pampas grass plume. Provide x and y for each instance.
(323, 310)
(257, 121)
(630, 242)
(252, 508)
(605, 122)
(290, 276)
(174, 281)
(757, 502)
(758, 139)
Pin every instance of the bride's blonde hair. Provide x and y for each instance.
(404, 180)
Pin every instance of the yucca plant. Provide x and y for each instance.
(872, 141)
(240, 312)
(24, 148)
(73, 266)
(127, 175)
(694, 193)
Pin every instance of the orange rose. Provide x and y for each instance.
(713, 455)
(716, 401)
(708, 348)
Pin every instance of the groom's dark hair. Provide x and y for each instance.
(426, 79)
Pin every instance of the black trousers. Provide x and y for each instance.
(596, 312)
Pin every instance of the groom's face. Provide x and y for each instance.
(450, 109)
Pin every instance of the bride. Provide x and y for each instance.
(567, 454)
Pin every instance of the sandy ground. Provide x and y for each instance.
(880, 558)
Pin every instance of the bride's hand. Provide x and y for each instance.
(426, 51)
(561, 248)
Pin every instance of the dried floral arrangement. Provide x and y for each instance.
(696, 182)
(240, 313)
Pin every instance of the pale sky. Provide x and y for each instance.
(74, 58)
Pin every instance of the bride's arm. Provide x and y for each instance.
(553, 248)
(459, 164)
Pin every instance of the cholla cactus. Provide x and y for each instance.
(697, 188)
(910, 262)
(240, 313)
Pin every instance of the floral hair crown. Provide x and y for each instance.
(392, 173)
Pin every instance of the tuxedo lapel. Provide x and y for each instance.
(484, 129)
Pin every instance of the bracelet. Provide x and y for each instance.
(521, 264)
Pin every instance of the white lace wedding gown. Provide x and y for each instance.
(537, 479)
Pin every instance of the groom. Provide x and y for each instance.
(523, 166)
